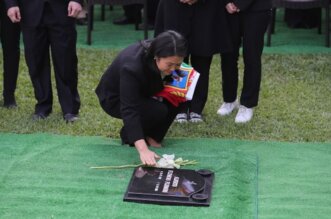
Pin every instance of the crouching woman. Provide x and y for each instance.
(127, 88)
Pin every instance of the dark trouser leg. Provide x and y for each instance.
(63, 47)
(229, 62)
(10, 41)
(254, 27)
(202, 65)
(154, 128)
(229, 66)
(36, 50)
(133, 12)
(156, 118)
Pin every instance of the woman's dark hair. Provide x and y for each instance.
(168, 43)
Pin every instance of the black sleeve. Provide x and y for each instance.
(243, 4)
(131, 98)
(10, 3)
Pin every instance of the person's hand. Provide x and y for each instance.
(14, 14)
(190, 2)
(74, 8)
(147, 156)
(231, 8)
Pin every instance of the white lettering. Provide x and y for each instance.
(169, 175)
(175, 182)
(166, 187)
(157, 187)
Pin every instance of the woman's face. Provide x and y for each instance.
(168, 64)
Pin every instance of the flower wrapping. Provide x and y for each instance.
(181, 87)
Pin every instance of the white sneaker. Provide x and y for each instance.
(244, 114)
(227, 108)
(181, 118)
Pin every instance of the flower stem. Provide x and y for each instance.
(117, 167)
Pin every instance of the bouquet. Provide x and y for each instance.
(181, 85)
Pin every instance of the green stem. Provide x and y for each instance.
(117, 167)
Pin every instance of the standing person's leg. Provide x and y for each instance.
(36, 49)
(255, 25)
(63, 47)
(229, 67)
(132, 14)
(202, 65)
(10, 41)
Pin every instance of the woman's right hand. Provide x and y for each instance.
(147, 156)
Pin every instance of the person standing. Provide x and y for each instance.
(128, 90)
(197, 22)
(10, 41)
(247, 22)
(50, 25)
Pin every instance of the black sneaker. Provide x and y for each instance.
(39, 116)
(195, 117)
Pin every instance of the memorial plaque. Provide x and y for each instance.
(170, 186)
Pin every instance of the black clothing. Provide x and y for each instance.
(10, 41)
(303, 18)
(125, 91)
(203, 25)
(247, 28)
(252, 5)
(45, 25)
(133, 12)
(32, 11)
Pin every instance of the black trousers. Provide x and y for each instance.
(202, 65)
(246, 28)
(133, 12)
(10, 41)
(61, 39)
(156, 117)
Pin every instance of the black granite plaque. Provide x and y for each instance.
(170, 186)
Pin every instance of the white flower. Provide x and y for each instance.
(167, 161)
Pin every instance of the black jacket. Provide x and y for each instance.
(32, 10)
(128, 81)
(203, 24)
(252, 5)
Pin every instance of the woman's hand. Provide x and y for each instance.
(147, 156)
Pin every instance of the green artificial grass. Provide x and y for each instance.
(48, 176)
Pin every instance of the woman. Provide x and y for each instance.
(127, 88)
(247, 21)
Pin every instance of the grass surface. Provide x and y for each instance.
(294, 103)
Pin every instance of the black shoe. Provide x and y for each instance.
(123, 21)
(9, 102)
(149, 27)
(69, 117)
(39, 116)
(10, 105)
